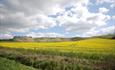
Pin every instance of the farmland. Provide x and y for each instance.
(89, 54)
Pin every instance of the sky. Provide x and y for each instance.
(56, 18)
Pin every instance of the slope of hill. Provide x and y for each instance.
(41, 39)
(56, 39)
(109, 36)
(46, 39)
(23, 39)
(97, 42)
(6, 64)
(77, 38)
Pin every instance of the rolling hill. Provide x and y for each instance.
(54, 39)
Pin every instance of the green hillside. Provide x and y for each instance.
(109, 36)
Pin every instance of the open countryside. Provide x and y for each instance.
(87, 54)
(57, 34)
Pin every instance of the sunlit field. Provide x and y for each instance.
(87, 54)
(85, 46)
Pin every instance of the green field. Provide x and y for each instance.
(89, 54)
(6, 64)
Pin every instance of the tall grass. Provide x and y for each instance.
(6, 64)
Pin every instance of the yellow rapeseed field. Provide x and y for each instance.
(88, 54)
(89, 45)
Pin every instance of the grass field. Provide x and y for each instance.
(89, 54)
(6, 64)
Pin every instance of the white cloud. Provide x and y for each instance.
(14, 22)
(26, 15)
(100, 31)
(105, 1)
(19, 22)
(42, 21)
(113, 17)
(6, 36)
(103, 10)
(48, 34)
(23, 15)
(81, 20)
(111, 2)
(112, 5)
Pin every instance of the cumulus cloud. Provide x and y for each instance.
(23, 15)
(37, 6)
(27, 15)
(113, 17)
(48, 34)
(112, 5)
(78, 19)
(111, 2)
(103, 10)
(13, 22)
(105, 1)
(101, 31)
(19, 22)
